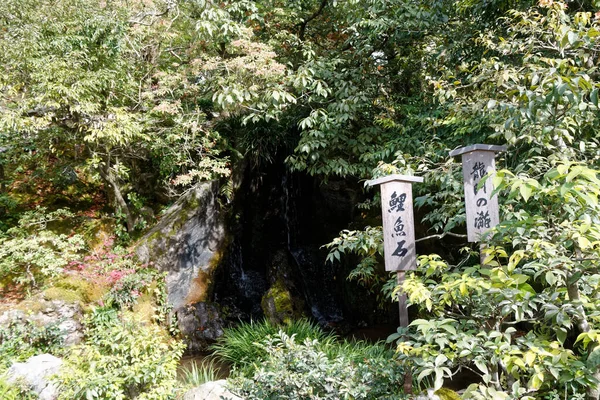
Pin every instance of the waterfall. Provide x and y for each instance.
(315, 281)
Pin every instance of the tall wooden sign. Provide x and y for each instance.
(398, 221)
(478, 160)
(399, 236)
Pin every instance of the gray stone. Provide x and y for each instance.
(199, 323)
(215, 390)
(36, 373)
(187, 244)
(67, 316)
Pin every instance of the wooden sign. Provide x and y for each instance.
(398, 221)
(478, 161)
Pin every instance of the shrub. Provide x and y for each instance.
(30, 252)
(14, 392)
(304, 371)
(128, 286)
(20, 340)
(121, 360)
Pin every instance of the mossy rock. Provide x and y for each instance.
(279, 305)
(67, 295)
(31, 306)
(97, 232)
(447, 394)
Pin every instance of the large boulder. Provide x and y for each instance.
(36, 373)
(215, 390)
(187, 244)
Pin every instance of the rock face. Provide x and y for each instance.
(216, 390)
(187, 244)
(200, 324)
(35, 373)
(66, 316)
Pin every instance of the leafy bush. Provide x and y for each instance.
(20, 340)
(128, 286)
(121, 360)
(304, 371)
(14, 392)
(238, 345)
(30, 252)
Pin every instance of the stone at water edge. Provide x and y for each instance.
(35, 373)
(200, 324)
(215, 390)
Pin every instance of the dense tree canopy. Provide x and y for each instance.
(145, 99)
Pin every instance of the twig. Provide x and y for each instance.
(441, 235)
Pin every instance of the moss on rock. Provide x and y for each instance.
(87, 291)
(144, 310)
(67, 295)
(447, 394)
(279, 305)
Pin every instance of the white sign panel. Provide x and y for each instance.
(398, 221)
(481, 207)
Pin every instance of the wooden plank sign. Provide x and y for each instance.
(482, 208)
(398, 221)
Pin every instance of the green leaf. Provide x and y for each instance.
(573, 37)
(561, 334)
(525, 191)
(550, 278)
(594, 97)
(482, 367)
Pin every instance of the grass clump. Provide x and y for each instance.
(238, 345)
(197, 374)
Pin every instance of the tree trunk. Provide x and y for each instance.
(108, 176)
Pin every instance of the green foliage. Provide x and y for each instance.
(20, 340)
(540, 272)
(31, 252)
(304, 370)
(238, 344)
(14, 392)
(128, 286)
(121, 359)
(195, 375)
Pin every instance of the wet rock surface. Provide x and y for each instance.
(200, 324)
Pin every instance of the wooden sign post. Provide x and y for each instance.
(398, 229)
(399, 236)
(479, 160)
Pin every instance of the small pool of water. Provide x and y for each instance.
(187, 363)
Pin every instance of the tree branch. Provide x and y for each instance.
(441, 235)
(305, 22)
